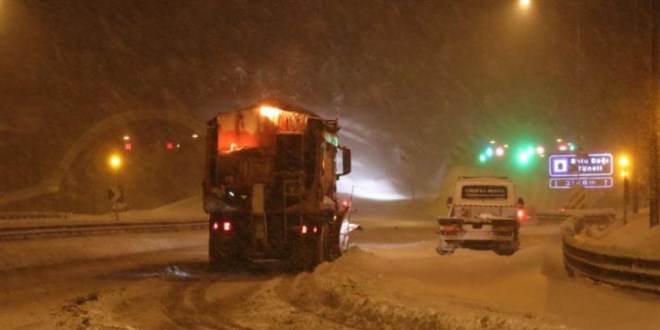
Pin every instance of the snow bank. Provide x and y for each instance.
(353, 292)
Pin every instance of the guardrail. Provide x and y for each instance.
(67, 230)
(31, 215)
(558, 216)
(619, 268)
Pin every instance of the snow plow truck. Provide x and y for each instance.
(270, 187)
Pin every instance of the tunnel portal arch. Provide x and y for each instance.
(52, 182)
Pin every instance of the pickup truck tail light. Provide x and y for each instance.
(521, 214)
(451, 229)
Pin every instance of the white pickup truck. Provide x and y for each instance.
(484, 214)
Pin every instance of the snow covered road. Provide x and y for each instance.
(391, 279)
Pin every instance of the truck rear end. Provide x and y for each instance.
(483, 214)
(270, 186)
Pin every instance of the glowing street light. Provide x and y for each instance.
(524, 3)
(115, 162)
(624, 162)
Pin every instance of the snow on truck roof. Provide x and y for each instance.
(275, 104)
(258, 125)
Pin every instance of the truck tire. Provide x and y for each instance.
(333, 251)
(224, 257)
(322, 248)
(217, 261)
(300, 254)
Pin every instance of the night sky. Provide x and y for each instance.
(432, 78)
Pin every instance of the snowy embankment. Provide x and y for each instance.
(634, 239)
(31, 253)
(382, 299)
(186, 209)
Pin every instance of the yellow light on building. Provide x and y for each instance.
(270, 113)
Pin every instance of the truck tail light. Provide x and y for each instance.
(225, 226)
(303, 229)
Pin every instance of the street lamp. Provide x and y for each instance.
(115, 162)
(115, 194)
(524, 3)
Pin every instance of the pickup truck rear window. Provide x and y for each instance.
(484, 192)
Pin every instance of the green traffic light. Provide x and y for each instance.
(523, 158)
(482, 158)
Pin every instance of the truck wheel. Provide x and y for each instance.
(217, 261)
(569, 270)
(332, 242)
(300, 255)
(322, 250)
(223, 257)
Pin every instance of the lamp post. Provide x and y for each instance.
(115, 162)
(624, 163)
(654, 187)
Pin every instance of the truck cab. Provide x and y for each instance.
(484, 214)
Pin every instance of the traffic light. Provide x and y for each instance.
(523, 157)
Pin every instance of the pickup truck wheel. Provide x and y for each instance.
(505, 250)
(443, 252)
(569, 270)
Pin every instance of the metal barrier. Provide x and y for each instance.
(556, 216)
(31, 215)
(620, 268)
(68, 230)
